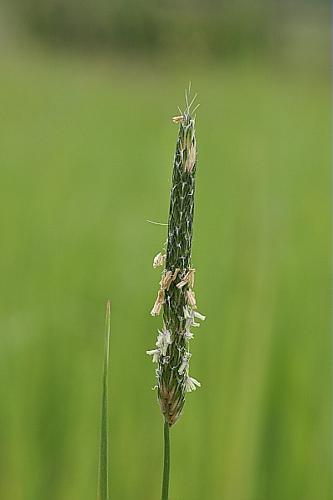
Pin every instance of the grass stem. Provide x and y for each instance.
(166, 467)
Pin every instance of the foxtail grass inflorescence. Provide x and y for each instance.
(176, 298)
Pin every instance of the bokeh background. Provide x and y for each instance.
(87, 92)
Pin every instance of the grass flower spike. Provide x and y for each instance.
(176, 296)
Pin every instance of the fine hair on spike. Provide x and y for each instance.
(157, 223)
(188, 103)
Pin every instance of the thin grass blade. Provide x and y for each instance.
(103, 477)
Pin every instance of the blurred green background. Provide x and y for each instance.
(87, 92)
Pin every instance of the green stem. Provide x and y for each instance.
(166, 467)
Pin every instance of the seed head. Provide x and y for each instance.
(176, 297)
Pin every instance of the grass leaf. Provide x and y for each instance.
(103, 480)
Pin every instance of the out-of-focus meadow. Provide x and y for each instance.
(86, 150)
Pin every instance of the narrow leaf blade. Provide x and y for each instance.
(103, 479)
